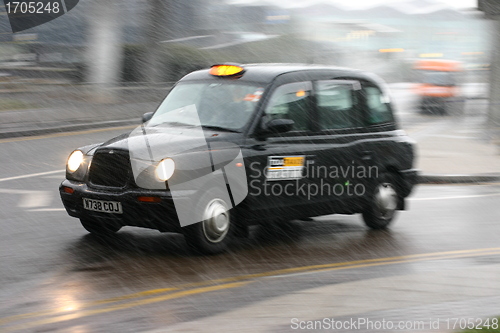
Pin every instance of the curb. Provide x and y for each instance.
(68, 128)
(458, 179)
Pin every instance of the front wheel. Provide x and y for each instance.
(214, 233)
(383, 202)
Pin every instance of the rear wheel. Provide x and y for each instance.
(98, 228)
(443, 108)
(383, 202)
(433, 107)
(215, 232)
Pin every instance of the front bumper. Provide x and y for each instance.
(410, 179)
(154, 215)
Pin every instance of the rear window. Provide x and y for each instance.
(378, 110)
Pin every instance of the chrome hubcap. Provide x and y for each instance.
(386, 200)
(216, 220)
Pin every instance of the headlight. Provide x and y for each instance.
(165, 169)
(75, 160)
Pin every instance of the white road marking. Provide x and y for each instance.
(456, 197)
(61, 177)
(468, 131)
(31, 199)
(36, 199)
(453, 136)
(47, 210)
(31, 175)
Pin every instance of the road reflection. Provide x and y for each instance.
(137, 259)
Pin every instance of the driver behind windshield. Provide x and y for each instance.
(225, 105)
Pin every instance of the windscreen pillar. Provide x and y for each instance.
(492, 10)
(104, 48)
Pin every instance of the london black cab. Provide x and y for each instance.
(238, 145)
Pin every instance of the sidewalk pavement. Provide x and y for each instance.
(458, 150)
(448, 154)
(72, 108)
(30, 122)
(425, 302)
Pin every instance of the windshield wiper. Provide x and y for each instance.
(219, 128)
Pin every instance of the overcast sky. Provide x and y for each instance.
(362, 3)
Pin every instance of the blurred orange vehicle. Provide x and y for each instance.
(438, 88)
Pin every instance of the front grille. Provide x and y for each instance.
(110, 168)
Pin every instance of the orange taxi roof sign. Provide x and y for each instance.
(226, 70)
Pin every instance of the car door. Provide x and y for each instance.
(276, 164)
(382, 148)
(338, 168)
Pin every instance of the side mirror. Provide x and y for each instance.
(147, 116)
(276, 126)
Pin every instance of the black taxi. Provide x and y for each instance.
(237, 145)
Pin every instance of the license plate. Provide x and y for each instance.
(112, 207)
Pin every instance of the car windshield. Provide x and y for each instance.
(439, 78)
(225, 105)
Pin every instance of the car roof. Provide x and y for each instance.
(267, 72)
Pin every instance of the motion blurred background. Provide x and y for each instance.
(126, 42)
(107, 63)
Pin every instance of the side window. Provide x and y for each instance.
(378, 106)
(292, 101)
(336, 104)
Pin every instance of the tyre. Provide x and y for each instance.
(437, 109)
(422, 108)
(99, 228)
(427, 109)
(443, 108)
(382, 202)
(214, 234)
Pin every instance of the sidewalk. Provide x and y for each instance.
(414, 299)
(458, 149)
(71, 108)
